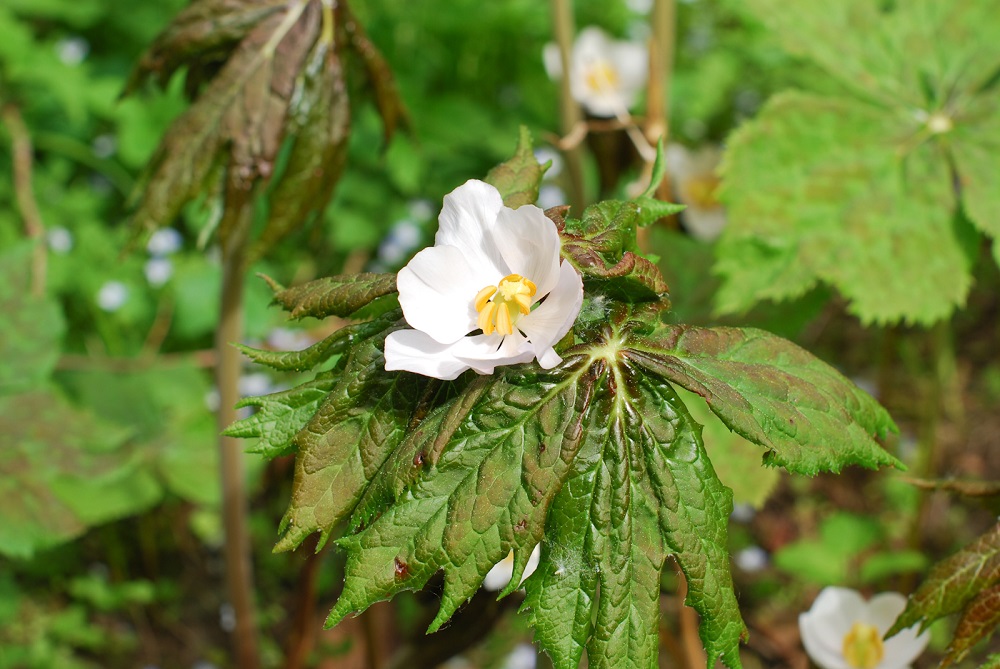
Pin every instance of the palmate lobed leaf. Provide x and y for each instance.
(864, 193)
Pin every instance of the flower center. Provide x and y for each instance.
(601, 77)
(863, 646)
(502, 305)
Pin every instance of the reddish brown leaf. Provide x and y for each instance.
(980, 617)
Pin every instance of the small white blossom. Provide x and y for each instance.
(843, 631)
(605, 75)
(421, 210)
(489, 271)
(403, 237)
(696, 185)
(60, 240)
(499, 576)
(550, 196)
(104, 146)
(112, 296)
(158, 271)
(164, 242)
(285, 339)
(752, 559)
(72, 50)
(252, 385)
(524, 656)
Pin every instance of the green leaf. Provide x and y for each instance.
(953, 583)
(31, 328)
(280, 416)
(975, 149)
(333, 296)
(62, 471)
(979, 619)
(773, 393)
(819, 190)
(518, 178)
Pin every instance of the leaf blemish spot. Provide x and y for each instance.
(402, 570)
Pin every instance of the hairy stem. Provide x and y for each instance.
(239, 571)
(569, 111)
(24, 194)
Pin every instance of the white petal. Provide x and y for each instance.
(499, 576)
(469, 214)
(532, 565)
(484, 353)
(529, 243)
(553, 318)
(437, 289)
(631, 61)
(552, 60)
(704, 223)
(824, 626)
(414, 351)
(883, 609)
(903, 648)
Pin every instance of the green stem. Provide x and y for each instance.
(569, 111)
(237, 549)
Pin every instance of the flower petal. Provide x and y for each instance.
(552, 60)
(499, 575)
(484, 353)
(414, 351)
(553, 318)
(529, 244)
(466, 220)
(631, 61)
(437, 290)
(822, 646)
(824, 626)
(883, 609)
(903, 648)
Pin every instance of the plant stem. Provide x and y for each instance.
(239, 571)
(689, 626)
(569, 110)
(661, 65)
(22, 156)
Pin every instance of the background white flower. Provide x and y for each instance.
(499, 576)
(605, 75)
(492, 269)
(164, 241)
(112, 296)
(696, 185)
(60, 240)
(158, 271)
(843, 631)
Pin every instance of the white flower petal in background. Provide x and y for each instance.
(60, 240)
(606, 75)
(550, 196)
(403, 237)
(752, 559)
(253, 385)
(696, 185)
(286, 339)
(843, 631)
(112, 296)
(499, 576)
(72, 50)
(493, 271)
(743, 512)
(104, 146)
(158, 271)
(547, 154)
(164, 242)
(524, 656)
(421, 210)
(639, 6)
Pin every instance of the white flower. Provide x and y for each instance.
(550, 196)
(60, 240)
(499, 576)
(164, 241)
(843, 631)
(524, 656)
(605, 75)
(158, 271)
(696, 185)
(492, 270)
(403, 237)
(72, 50)
(112, 296)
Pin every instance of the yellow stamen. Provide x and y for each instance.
(601, 77)
(863, 647)
(504, 326)
(483, 296)
(502, 305)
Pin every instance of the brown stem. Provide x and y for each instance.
(693, 649)
(661, 65)
(234, 231)
(24, 194)
(569, 111)
(302, 637)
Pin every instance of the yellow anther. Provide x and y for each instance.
(863, 647)
(601, 76)
(483, 296)
(502, 305)
(504, 326)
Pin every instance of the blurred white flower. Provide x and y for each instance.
(60, 240)
(524, 656)
(843, 631)
(489, 271)
(545, 154)
(743, 512)
(104, 146)
(421, 210)
(752, 559)
(286, 339)
(158, 271)
(605, 75)
(639, 6)
(112, 296)
(252, 385)
(499, 576)
(403, 237)
(550, 196)
(696, 185)
(212, 400)
(72, 50)
(164, 241)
